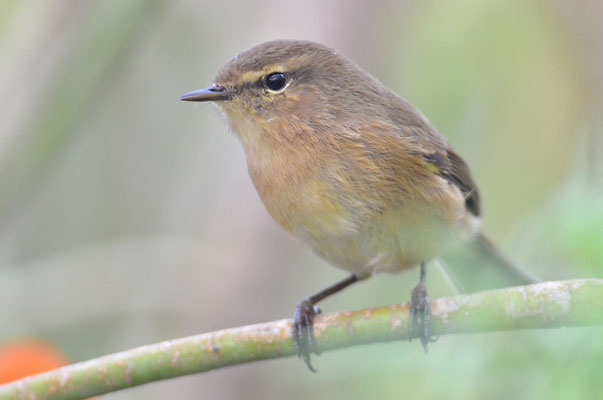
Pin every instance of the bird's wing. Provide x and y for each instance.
(435, 150)
(452, 167)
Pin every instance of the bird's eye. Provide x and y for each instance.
(276, 81)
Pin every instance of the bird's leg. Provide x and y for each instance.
(303, 319)
(419, 312)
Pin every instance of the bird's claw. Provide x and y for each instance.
(420, 316)
(303, 335)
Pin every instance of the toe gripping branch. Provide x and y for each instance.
(303, 320)
(419, 313)
(306, 310)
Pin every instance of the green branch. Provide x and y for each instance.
(543, 305)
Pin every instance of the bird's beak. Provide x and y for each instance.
(214, 93)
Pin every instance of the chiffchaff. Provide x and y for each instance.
(349, 168)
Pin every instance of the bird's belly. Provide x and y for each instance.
(359, 230)
(364, 237)
(390, 242)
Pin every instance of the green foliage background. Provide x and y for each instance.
(127, 217)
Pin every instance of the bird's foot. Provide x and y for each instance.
(420, 316)
(303, 335)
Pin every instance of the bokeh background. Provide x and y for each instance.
(127, 217)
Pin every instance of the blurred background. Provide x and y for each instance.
(127, 217)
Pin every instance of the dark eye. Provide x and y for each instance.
(276, 81)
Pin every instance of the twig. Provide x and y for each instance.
(543, 305)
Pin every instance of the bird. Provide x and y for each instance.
(351, 169)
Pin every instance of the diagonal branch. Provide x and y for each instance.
(543, 305)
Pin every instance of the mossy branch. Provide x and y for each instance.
(543, 305)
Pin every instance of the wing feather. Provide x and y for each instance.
(453, 168)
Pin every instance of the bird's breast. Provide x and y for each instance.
(353, 207)
(302, 197)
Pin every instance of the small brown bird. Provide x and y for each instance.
(349, 168)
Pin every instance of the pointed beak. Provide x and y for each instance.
(214, 93)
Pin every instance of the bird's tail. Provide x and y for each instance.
(480, 265)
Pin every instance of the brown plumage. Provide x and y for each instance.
(345, 165)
